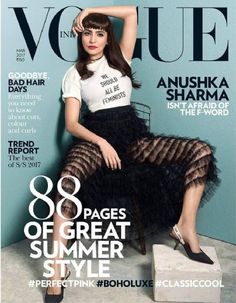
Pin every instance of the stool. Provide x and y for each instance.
(176, 278)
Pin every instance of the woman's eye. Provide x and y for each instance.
(100, 35)
(86, 33)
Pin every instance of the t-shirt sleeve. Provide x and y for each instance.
(71, 84)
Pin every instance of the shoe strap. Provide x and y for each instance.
(178, 234)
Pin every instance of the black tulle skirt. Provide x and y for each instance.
(156, 170)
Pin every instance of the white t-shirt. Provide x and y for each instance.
(107, 87)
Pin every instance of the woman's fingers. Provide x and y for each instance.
(115, 162)
(112, 162)
(74, 32)
(77, 25)
(118, 161)
(74, 29)
(110, 155)
(81, 24)
(77, 28)
(107, 162)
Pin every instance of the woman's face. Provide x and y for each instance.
(94, 41)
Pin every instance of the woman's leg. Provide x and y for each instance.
(58, 221)
(196, 156)
(187, 220)
(82, 161)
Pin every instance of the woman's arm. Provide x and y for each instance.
(129, 16)
(72, 110)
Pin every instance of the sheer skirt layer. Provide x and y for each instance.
(156, 170)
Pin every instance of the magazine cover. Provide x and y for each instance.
(118, 151)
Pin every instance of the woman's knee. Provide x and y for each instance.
(68, 209)
(67, 182)
(203, 149)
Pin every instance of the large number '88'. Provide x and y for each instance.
(49, 202)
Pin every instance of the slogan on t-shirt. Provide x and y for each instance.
(112, 89)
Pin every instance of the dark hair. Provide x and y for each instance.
(112, 50)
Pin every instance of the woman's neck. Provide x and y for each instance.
(92, 59)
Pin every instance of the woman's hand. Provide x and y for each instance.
(77, 23)
(110, 156)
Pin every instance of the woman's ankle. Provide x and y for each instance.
(187, 227)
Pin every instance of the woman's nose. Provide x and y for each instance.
(92, 38)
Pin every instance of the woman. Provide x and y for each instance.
(168, 174)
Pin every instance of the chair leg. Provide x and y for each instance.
(138, 218)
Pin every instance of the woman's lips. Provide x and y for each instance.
(92, 47)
